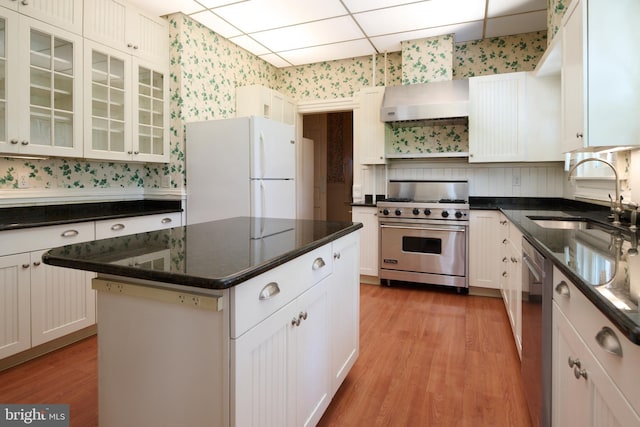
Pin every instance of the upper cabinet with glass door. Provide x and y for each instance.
(128, 90)
(66, 14)
(47, 81)
(126, 110)
(9, 95)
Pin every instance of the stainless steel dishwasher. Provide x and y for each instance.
(537, 272)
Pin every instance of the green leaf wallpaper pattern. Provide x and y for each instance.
(205, 68)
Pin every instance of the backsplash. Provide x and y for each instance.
(427, 139)
(205, 69)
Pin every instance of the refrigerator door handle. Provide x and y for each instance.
(263, 202)
(262, 154)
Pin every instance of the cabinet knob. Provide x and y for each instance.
(117, 227)
(14, 141)
(129, 152)
(504, 274)
(513, 259)
(580, 373)
(136, 152)
(574, 362)
(562, 289)
(579, 135)
(336, 255)
(25, 2)
(504, 241)
(165, 220)
(25, 265)
(296, 321)
(303, 315)
(36, 263)
(25, 142)
(129, 44)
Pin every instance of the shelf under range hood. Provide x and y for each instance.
(426, 104)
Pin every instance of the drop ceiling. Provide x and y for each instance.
(296, 32)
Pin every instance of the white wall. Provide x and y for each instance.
(499, 180)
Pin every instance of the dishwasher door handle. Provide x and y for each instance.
(532, 268)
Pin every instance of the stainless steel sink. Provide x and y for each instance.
(563, 224)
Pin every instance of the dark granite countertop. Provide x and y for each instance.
(12, 218)
(597, 260)
(211, 255)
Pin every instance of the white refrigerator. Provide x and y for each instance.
(240, 167)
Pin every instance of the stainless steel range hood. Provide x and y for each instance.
(425, 104)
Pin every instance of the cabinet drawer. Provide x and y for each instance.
(32, 239)
(258, 298)
(589, 322)
(139, 224)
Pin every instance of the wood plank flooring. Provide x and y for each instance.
(427, 358)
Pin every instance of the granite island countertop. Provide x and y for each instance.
(601, 261)
(211, 255)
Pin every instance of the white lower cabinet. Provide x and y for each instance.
(281, 366)
(591, 386)
(368, 216)
(286, 368)
(484, 248)
(42, 302)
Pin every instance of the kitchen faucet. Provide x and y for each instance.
(616, 206)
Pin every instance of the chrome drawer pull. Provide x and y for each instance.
(270, 289)
(165, 220)
(608, 340)
(318, 263)
(117, 227)
(580, 373)
(563, 289)
(70, 233)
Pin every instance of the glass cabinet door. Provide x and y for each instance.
(3, 80)
(108, 107)
(51, 90)
(151, 108)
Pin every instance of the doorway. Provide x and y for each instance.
(332, 134)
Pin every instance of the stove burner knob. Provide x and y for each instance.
(458, 214)
(445, 214)
(398, 212)
(416, 211)
(427, 211)
(385, 211)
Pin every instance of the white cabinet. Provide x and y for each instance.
(506, 112)
(599, 77)
(120, 25)
(43, 302)
(511, 277)
(15, 316)
(484, 248)
(369, 233)
(126, 114)
(583, 392)
(609, 371)
(280, 365)
(344, 308)
(65, 14)
(257, 100)
(368, 129)
(43, 105)
(139, 224)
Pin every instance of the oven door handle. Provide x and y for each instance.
(405, 227)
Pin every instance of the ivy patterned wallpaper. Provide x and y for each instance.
(427, 60)
(205, 68)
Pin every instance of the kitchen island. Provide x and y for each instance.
(230, 322)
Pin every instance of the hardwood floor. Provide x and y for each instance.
(427, 358)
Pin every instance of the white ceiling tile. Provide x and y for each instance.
(217, 3)
(417, 16)
(362, 5)
(516, 24)
(463, 33)
(249, 44)
(275, 60)
(160, 8)
(344, 50)
(512, 7)
(259, 15)
(312, 34)
(208, 19)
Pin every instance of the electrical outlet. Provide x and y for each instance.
(166, 181)
(23, 180)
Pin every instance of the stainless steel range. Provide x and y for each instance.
(423, 233)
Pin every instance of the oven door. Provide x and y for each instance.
(424, 248)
